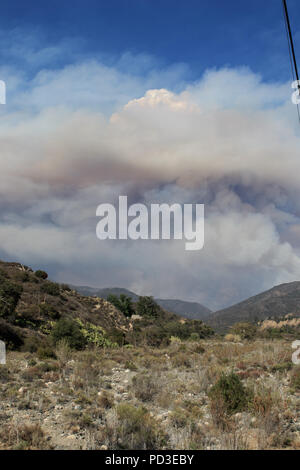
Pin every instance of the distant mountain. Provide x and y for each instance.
(191, 310)
(274, 303)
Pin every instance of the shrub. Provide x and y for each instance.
(68, 330)
(45, 352)
(51, 288)
(295, 379)
(105, 400)
(232, 338)
(32, 373)
(137, 429)
(199, 349)
(244, 330)
(4, 374)
(230, 392)
(49, 311)
(41, 274)
(22, 276)
(181, 359)
(10, 335)
(130, 365)
(65, 287)
(10, 294)
(95, 335)
(32, 344)
(116, 336)
(194, 336)
(145, 387)
(28, 317)
(24, 437)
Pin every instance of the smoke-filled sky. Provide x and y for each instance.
(83, 125)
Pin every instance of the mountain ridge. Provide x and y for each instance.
(279, 301)
(189, 310)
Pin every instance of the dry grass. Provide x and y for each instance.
(137, 398)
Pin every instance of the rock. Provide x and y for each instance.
(103, 447)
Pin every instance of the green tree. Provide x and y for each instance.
(146, 306)
(123, 303)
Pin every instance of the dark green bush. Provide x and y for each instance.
(68, 330)
(116, 336)
(46, 352)
(51, 288)
(231, 392)
(41, 274)
(146, 306)
(10, 335)
(29, 317)
(65, 287)
(49, 311)
(22, 276)
(31, 344)
(10, 294)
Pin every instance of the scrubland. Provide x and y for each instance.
(204, 394)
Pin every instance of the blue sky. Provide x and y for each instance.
(202, 34)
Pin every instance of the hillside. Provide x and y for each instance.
(30, 304)
(190, 310)
(275, 303)
(32, 307)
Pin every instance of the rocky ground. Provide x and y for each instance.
(143, 398)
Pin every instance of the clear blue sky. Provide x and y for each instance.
(201, 33)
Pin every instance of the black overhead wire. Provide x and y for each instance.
(292, 54)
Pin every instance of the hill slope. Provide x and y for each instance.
(32, 309)
(274, 303)
(30, 304)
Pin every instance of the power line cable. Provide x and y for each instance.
(292, 54)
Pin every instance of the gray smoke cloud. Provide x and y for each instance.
(83, 135)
